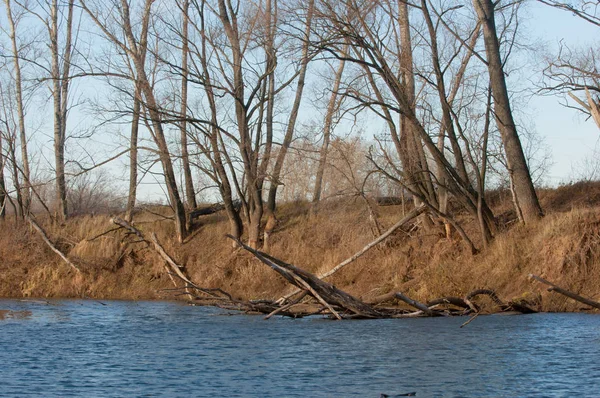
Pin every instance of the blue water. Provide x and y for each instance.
(130, 349)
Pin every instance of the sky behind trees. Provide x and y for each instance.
(562, 133)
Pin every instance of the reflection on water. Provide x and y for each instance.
(84, 348)
(8, 314)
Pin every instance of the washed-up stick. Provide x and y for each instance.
(414, 213)
(416, 304)
(471, 319)
(44, 236)
(564, 292)
(287, 306)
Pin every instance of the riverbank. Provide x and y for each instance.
(563, 247)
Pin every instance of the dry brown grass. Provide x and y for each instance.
(564, 247)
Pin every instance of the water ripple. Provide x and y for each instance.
(150, 349)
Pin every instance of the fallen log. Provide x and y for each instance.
(414, 213)
(320, 290)
(215, 208)
(564, 292)
(455, 301)
(510, 306)
(419, 306)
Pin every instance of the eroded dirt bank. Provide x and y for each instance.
(563, 247)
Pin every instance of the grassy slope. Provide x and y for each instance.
(562, 247)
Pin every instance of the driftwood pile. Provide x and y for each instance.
(314, 296)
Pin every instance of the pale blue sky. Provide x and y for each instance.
(570, 138)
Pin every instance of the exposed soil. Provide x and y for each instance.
(563, 247)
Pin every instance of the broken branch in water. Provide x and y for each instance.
(564, 292)
(405, 220)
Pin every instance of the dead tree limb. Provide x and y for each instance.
(414, 213)
(419, 306)
(287, 306)
(564, 292)
(177, 269)
(316, 287)
(510, 306)
(49, 242)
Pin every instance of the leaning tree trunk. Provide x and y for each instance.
(517, 165)
(138, 59)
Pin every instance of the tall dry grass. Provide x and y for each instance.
(563, 247)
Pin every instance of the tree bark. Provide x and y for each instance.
(332, 106)
(133, 154)
(190, 193)
(20, 107)
(289, 133)
(517, 164)
(60, 87)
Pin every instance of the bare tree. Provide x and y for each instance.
(135, 49)
(12, 22)
(390, 96)
(190, 193)
(332, 108)
(576, 70)
(287, 140)
(526, 198)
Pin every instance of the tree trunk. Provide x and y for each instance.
(190, 193)
(248, 155)
(289, 133)
(332, 107)
(60, 102)
(137, 51)
(19, 210)
(517, 164)
(3, 196)
(133, 154)
(20, 107)
(411, 151)
(236, 226)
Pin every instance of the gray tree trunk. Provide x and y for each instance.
(20, 108)
(60, 90)
(190, 193)
(133, 155)
(517, 164)
(332, 106)
(289, 133)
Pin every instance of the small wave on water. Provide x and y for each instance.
(9, 314)
(84, 348)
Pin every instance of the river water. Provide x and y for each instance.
(130, 349)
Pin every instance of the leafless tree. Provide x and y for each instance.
(332, 108)
(576, 70)
(122, 36)
(13, 21)
(190, 193)
(526, 198)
